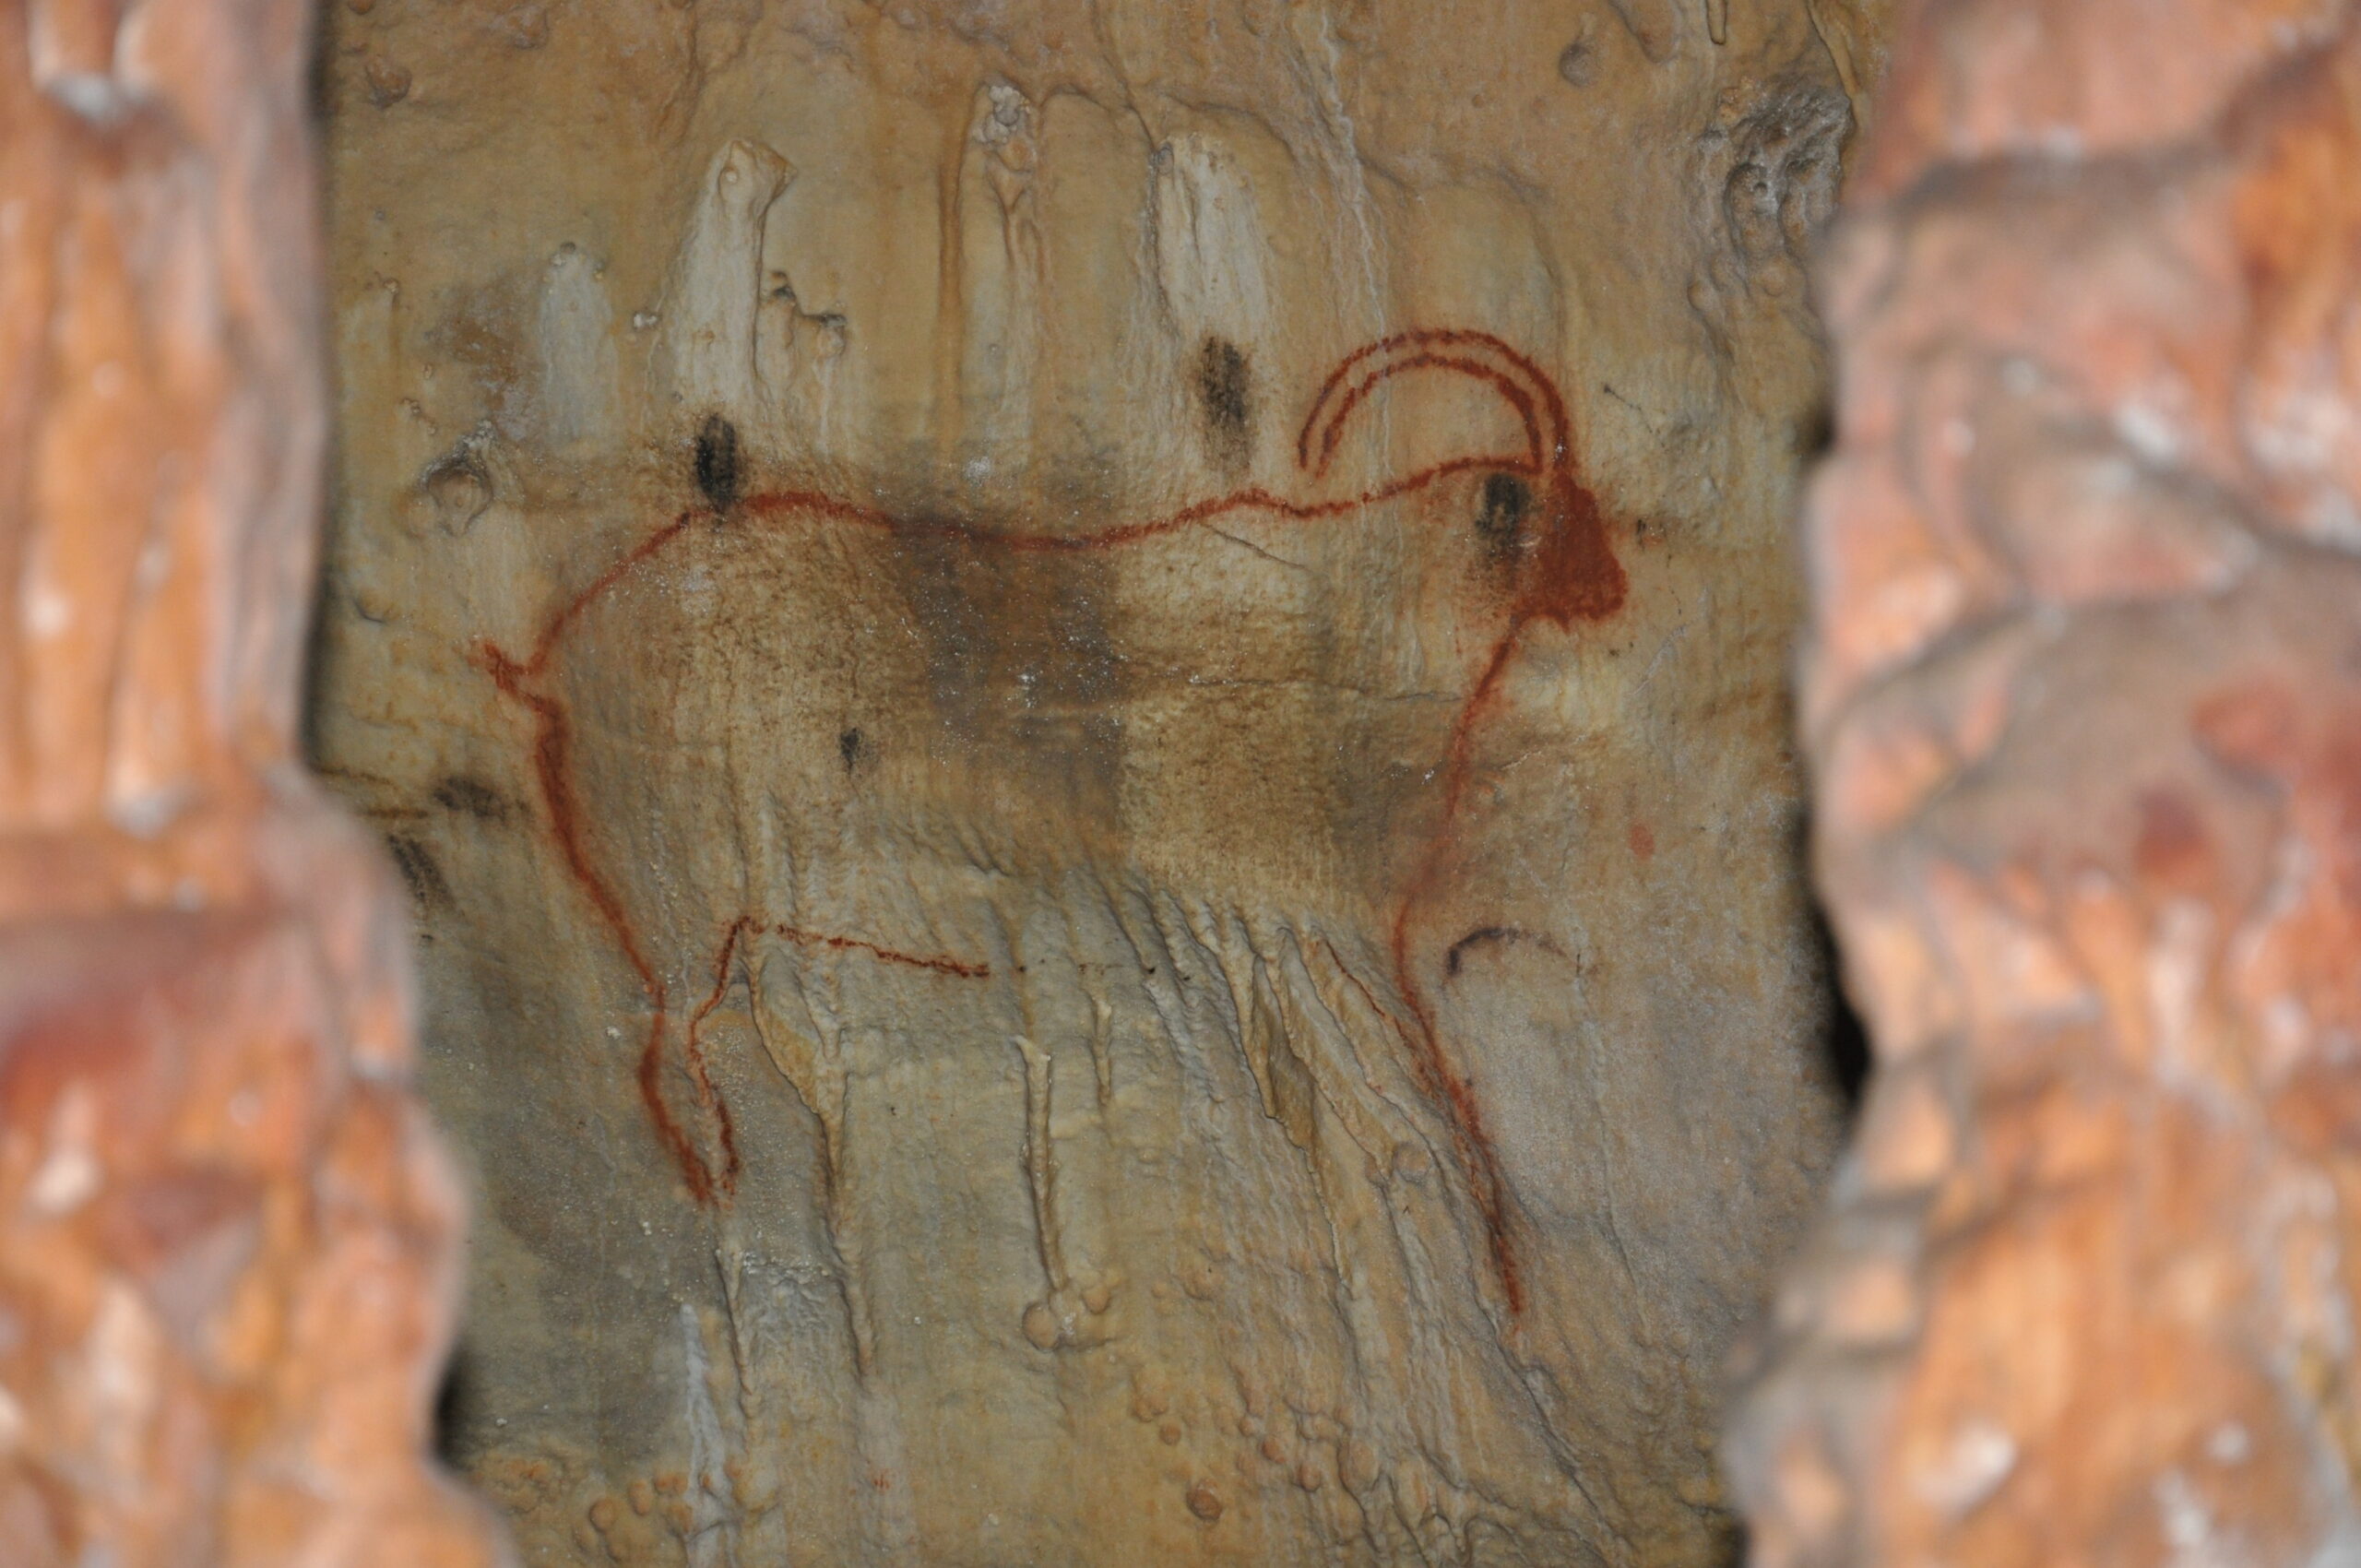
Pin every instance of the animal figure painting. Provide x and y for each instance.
(1539, 523)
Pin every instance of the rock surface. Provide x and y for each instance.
(2084, 708)
(228, 1245)
(1086, 707)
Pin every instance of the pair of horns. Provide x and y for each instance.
(1478, 355)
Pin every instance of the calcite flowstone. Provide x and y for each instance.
(2084, 706)
(227, 1244)
(1085, 707)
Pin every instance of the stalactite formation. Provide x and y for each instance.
(227, 1239)
(2085, 710)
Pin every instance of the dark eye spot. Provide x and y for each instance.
(1501, 523)
(717, 462)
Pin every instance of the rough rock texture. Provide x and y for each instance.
(2084, 704)
(227, 1243)
(1085, 705)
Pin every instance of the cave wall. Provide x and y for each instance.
(1085, 708)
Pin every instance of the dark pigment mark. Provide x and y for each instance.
(849, 746)
(416, 862)
(471, 797)
(717, 475)
(993, 620)
(1564, 572)
(1225, 385)
(1489, 936)
(1501, 525)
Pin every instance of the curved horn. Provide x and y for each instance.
(1478, 355)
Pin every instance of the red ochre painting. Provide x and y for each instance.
(1568, 573)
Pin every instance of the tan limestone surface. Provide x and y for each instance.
(2084, 705)
(228, 1246)
(1085, 707)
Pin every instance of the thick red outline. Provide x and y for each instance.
(1571, 574)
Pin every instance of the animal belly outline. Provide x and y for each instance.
(1569, 574)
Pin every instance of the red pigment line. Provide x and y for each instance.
(693, 1047)
(1572, 575)
(553, 757)
(1477, 1151)
(693, 1053)
(740, 928)
(648, 549)
(951, 967)
(1561, 427)
(805, 503)
(1499, 380)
